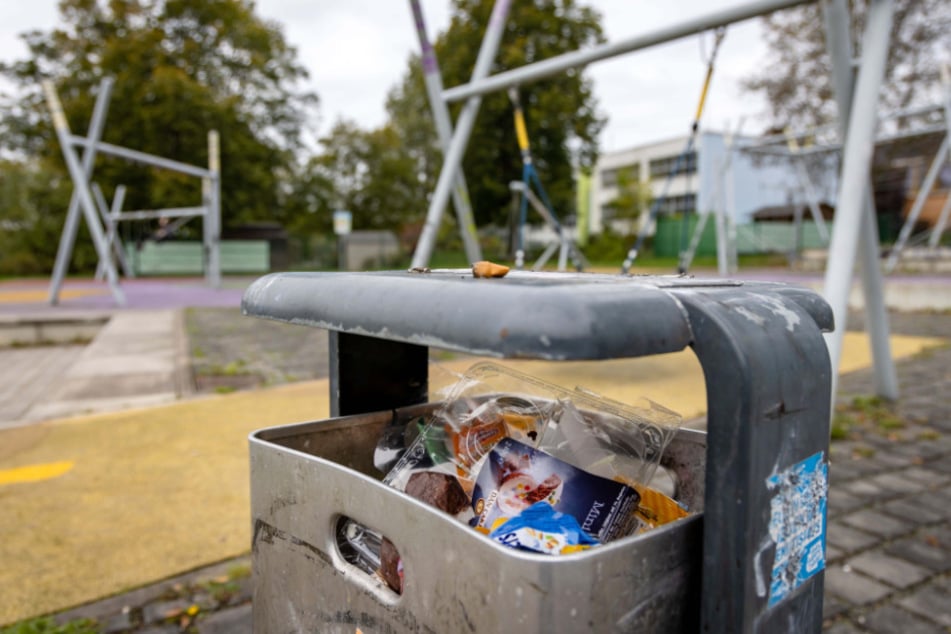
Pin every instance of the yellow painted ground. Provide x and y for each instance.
(36, 296)
(34, 473)
(159, 491)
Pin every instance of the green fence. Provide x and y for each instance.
(185, 258)
(760, 237)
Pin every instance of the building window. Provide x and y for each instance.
(610, 177)
(662, 167)
(677, 204)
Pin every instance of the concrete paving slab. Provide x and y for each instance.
(28, 375)
(132, 362)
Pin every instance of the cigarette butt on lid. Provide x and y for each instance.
(489, 269)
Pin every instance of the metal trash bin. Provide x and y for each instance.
(752, 562)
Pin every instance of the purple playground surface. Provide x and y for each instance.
(30, 296)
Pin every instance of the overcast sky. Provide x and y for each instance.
(356, 50)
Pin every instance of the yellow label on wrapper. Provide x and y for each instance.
(655, 508)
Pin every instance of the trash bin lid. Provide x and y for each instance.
(537, 315)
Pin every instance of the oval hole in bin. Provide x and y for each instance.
(369, 551)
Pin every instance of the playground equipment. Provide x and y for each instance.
(648, 227)
(88, 198)
(857, 99)
(540, 203)
(916, 125)
(434, 88)
(942, 156)
(725, 212)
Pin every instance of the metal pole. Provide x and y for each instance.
(920, 199)
(171, 212)
(886, 377)
(139, 157)
(938, 229)
(723, 266)
(716, 206)
(434, 88)
(858, 114)
(112, 240)
(68, 238)
(576, 59)
(686, 258)
(61, 125)
(117, 201)
(101, 205)
(212, 220)
(812, 199)
(460, 138)
(832, 147)
(729, 217)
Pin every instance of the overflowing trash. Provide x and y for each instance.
(529, 464)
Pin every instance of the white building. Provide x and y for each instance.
(701, 183)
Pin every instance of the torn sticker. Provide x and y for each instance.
(797, 524)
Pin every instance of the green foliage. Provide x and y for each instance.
(48, 626)
(385, 176)
(607, 247)
(633, 197)
(181, 68)
(866, 411)
(560, 112)
(373, 176)
(30, 192)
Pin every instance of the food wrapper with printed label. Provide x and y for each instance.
(490, 402)
(515, 476)
(542, 529)
(602, 445)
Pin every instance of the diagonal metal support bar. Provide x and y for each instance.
(578, 59)
(211, 227)
(812, 199)
(113, 234)
(81, 184)
(434, 88)
(854, 231)
(935, 238)
(112, 238)
(140, 157)
(943, 154)
(68, 238)
(939, 227)
(565, 243)
(460, 137)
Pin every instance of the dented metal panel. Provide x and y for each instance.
(303, 478)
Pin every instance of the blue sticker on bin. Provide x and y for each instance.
(797, 524)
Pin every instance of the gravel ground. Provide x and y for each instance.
(230, 351)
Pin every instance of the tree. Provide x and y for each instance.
(797, 81)
(28, 237)
(372, 175)
(561, 112)
(182, 67)
(633, 198)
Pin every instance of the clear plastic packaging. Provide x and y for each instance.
(491, 402)
(488, 403)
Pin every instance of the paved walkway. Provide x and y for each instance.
(889, 536)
